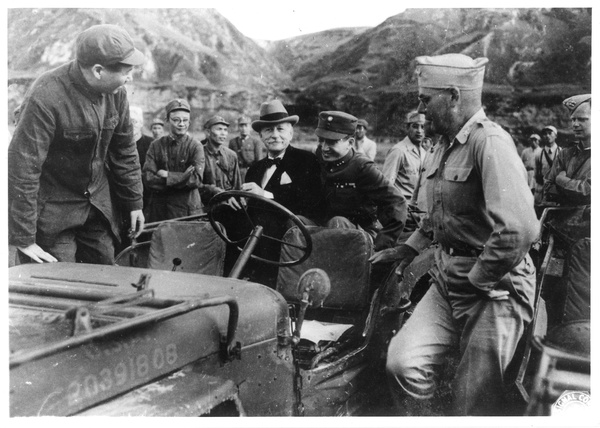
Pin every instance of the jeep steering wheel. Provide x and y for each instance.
(246, 199)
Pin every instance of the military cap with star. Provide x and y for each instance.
(335, 125)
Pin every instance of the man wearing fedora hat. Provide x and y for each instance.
(248, 148)
(222, 171)
(73, 151)
(288, 175)
(357, 195)
(174, 167)
(483, 280)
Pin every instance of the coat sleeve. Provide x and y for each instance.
(193, 180)
(391, 205)
(391, 165)
(124, 162)
(27, 152)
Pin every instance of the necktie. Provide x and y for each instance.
(270, 162)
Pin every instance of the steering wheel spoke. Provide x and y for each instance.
(258, 211)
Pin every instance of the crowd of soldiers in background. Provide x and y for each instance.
(404, 163)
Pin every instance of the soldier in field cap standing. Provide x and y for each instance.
(481, 212)
(73, 133)
(174, 168)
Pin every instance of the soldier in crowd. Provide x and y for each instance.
(544, 160)
(403, 161)
(483, 281)
(528, 156)
(569, 183)
(249, 149)
(222, 170)
(569, 180)
(142, 141)
(157, 127)
(72, 149)
(361, 143)
(357, 195)
(174, 167)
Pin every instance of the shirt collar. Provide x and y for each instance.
(463, 134)
(210, 151)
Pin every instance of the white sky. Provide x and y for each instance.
(266, 20)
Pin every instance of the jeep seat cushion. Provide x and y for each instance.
(195, 244)
(342, 253)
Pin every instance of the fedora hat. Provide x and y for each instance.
(271, 113)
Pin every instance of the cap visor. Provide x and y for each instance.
(136, 58)
(330, 135)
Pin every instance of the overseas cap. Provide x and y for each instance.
(214, 121)
(107, 45)
(334, 125)
(414, 116)
(363, 123)
(438, 72)
(534, 137)
(575, 101)
(177, 104)
(550, 128)
(157, 121)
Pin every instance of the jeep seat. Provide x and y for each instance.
(344, 255)
(188, 247)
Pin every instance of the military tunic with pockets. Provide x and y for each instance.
(357, 190)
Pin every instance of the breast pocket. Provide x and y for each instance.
(78, 141)
(460, 190)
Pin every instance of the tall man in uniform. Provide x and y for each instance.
(404, 160)
(362, 144)
(569, 180)
(174, 168)
(483, 281)
(73, 147)
(357, 195)
(222, 170)
(569, 183)
(249, 149)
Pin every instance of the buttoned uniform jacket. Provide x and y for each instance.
(221, 172)
(402, 165)
(575, 187)
(249, 150)
(73, 147)
(176, 195)
(478, 201)
(357, 190)
(303, 194)
(367, 147)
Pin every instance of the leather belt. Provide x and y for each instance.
(472, 252)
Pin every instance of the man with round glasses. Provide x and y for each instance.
(174, 167)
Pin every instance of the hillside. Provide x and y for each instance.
(537, 58)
